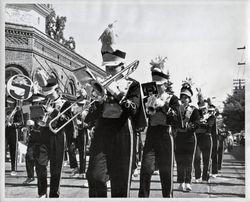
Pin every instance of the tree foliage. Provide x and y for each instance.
(234, 111)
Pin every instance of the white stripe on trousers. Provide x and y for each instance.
(195, 145)
(210, 155)
(172, 158)
(64, 142)
(131, 155)
(16, 151)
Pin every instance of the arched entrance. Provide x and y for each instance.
(12, 70)
(70, 87)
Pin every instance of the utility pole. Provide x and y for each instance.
(239, 83)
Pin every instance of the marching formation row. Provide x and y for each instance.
(115, 112)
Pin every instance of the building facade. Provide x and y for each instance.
(28, 47)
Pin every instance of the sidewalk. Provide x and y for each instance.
(230, 182)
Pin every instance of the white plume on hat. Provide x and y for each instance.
(186, 88)
(158, 64)
(108, 39)
(187, 83)
(201, 101)
(200, 95)
(159, 75)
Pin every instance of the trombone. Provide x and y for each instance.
(44, 120)
(98, 88)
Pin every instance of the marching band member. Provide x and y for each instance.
(214, 131)
(185, 137)
(81, 134)
(222, 135)
(116, 120)
(204, 140)
(159, 144)
(13, 124)
(51, 146)
(71, 149)
(32, 130)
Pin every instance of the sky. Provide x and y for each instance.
(199, 38)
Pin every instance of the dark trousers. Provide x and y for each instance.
(220, 153)
(204, 147)
(71, 151)
(110, 158)
(50, 148)
(215, 154)
(30, 160)
(11, 135)
(184, 155)
(138, 146)
(81, 146)
(158, 147)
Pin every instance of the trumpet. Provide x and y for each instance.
(98, 91)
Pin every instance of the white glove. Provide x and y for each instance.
(159, 102)
(49, 109)
(78, 122)
(123, 85)
(113, 88)
(30, 122)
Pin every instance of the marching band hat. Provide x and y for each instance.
(157, 71)
(159, 77)
(110, 55)
(211, 107)
(186, 88)
(113, 59)
(187, 91)
(202, 105)
(51, 86)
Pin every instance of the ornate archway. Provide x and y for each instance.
(70, 87)
(12, 70)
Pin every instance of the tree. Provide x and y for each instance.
(234, 111)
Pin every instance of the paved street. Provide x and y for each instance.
(230, 182)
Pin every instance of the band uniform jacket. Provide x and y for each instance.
(115, 124)
(193, 121)
(137, 115)
(207, 126)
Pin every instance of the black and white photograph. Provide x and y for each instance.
(124, 99)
